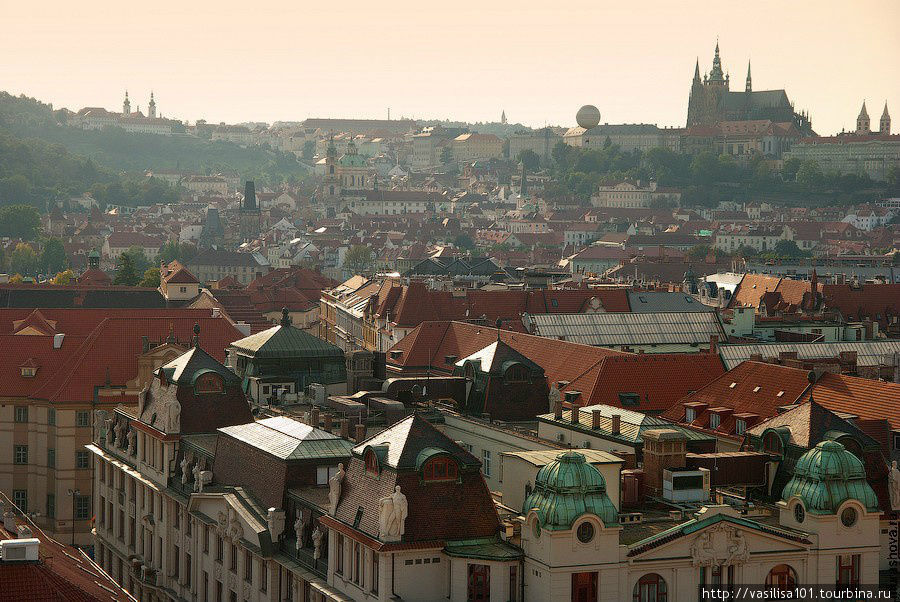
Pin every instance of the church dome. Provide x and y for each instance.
(568, 488)
(827, 476)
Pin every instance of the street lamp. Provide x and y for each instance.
(74, 493)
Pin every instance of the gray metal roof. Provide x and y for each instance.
(868, 353)
(642, 302)
(607, 329)
(288, 439)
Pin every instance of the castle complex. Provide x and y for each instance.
(712, 101)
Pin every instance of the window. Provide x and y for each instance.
(740, 426)
(513, 584)
(220, 548)
(176, 560)
(848, 570)
(187, 568)
(324, 473)
(20, 499)
(374, 572)
(51, 460)
(339, 548)
(210, 383)
(51, 416)
(516, 374)
(356, 557)
(263, 576)
(82, 418)
(772, 443)
(21, 414)
(849, 517)
(82, 507)
(20, 454)
(650, 588)
(51, 505)
(714, 420)
(205, 586)
(234, 558)
(440, 469)
(781, 576)
(371, 462)
(585, 532)
(206, 539)
(82, 460)
(690, 414)
(248, 566)
(486, 462)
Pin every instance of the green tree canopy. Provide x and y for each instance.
(359, 259)
(19, 221)
(24, 260)
(126, 272)
(530, 158)
(53, 256)
(151, 278)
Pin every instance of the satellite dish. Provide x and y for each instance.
(588, 116)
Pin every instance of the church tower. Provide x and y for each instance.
(151, 108)
(749, 86)
(885, 126)
(250, 214)
(716, 75)
(126, 106)
(503, 117)
(862, 121)
(331, 183)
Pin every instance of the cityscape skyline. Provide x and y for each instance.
(646, 82)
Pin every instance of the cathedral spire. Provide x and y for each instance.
(697, 71)
(749, 86)
(862, 121)
(885, 126)
(126, 106)
(716, 74)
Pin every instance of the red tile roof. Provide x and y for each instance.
(875, 301)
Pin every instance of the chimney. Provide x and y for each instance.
(596, 417)
(314, 417)
(713, 344)
(558, 407)
(616, 424)
(327, 419)
(345, 429)
(360, 432)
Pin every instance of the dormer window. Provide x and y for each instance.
(690, 414)
(516, 374)
(29, 371)
(371, 461)
(740, 426)
(714, 420)
(210, 383)
(439, 469)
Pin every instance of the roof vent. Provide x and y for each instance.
(20, 550)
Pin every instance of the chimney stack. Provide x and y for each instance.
(327, 418)
(616, 424)
(360, 432)
(596, 417)
(713, 344)
(314, 417)
(345, 429)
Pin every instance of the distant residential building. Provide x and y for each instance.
(206, 184)
(473, 146)
(394, 202)
(869, 218)
(760, 240)
(540, 142)
(119, 242)
(630, 137)
(211, 265)
(238, 134)
(634, 195)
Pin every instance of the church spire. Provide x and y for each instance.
(749, 86)
(862, 121)
(151, 108)
(126, 106)
(697, 71)
(716, 74)
(885, 125)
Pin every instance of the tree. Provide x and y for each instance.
(530, 158)
(172, 251)
(19, 221)
(126, 272)
(463, 241)
(64, 278)
(53, 256)
(787, 249)
(24, 260)
(141, 263)
(809, 176)
(359, 259)
(151, 278)
(447, 155)
(309, 149)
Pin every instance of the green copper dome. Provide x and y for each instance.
(827, 476)
(567, 488)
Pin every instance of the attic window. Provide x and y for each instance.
(371, 461)
(756, 389)
(29, 371)
(732, 385)
(780, 393)
(629, 399)
(210, 383)
(554, 302)
(439, 469)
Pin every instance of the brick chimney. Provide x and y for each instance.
(616, 424)
(345, 428)
(314, 417)
(328, 418)
(663, 448)
(572, 399)
(713, 344)
(596, 417)
(360, 432)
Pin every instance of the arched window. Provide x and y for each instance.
(210, 383)
(439, 469)
(516, 374)
(650, 588)
(782, 577)
(772, 444)
(371, 462)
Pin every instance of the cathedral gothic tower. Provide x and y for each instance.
(885, 125)
(862, 121)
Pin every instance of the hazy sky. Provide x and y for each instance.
(287, 60)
